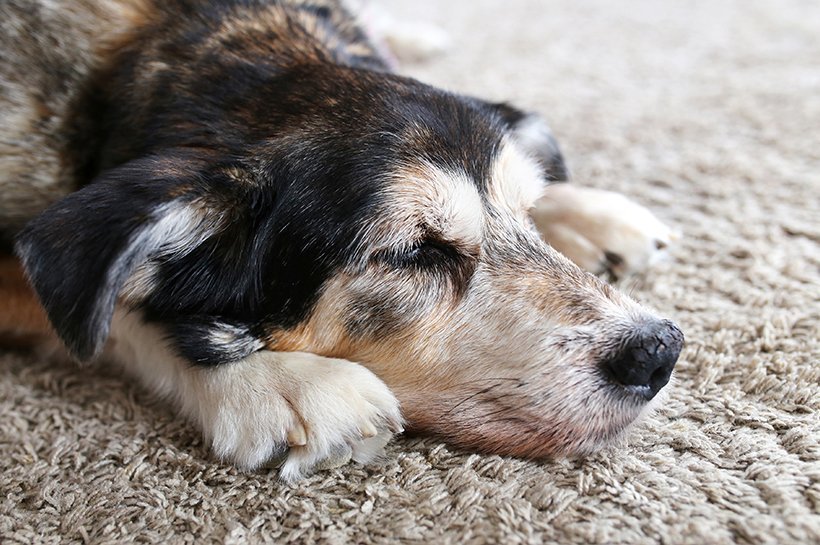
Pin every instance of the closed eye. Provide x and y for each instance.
(425, 254)
(432, 257)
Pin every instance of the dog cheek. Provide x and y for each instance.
(398, 307)
(374, 317)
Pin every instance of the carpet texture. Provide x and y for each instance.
(709, 113)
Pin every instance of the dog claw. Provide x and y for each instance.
(395, 427)
(297, 437)
(368, 430)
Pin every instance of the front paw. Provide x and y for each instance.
(311, 412)
(601, 231)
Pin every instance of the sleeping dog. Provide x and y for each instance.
(239, 202)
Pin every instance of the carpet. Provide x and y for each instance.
(707, 112)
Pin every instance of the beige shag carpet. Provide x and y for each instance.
(708, 112)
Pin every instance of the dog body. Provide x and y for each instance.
(240, 203)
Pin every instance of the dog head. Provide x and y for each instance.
(365, 216)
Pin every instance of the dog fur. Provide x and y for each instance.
(239, 202)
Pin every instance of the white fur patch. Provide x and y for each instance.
(179, 228)
(517, 180)
(459, 207)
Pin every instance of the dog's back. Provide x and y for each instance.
(48, 48)
(51, 50)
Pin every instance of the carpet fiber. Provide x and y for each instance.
(709, 113)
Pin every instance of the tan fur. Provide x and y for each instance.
(425, 196)
(22, 319)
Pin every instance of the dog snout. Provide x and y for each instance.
(646, 362)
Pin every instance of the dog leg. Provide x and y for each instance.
(601, 231)
(308, 410)
(22, 320)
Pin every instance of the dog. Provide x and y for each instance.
(240, 202)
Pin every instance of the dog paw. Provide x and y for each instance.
(303, 411)
(601, 231)
(407, 40)
(417, 41)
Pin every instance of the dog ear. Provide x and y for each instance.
(80, 251)
(534, 135)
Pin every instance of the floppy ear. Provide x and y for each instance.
(534, 135)
(79, 252)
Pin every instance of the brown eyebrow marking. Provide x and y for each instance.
(429, 201)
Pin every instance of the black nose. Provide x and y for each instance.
(646, 362)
